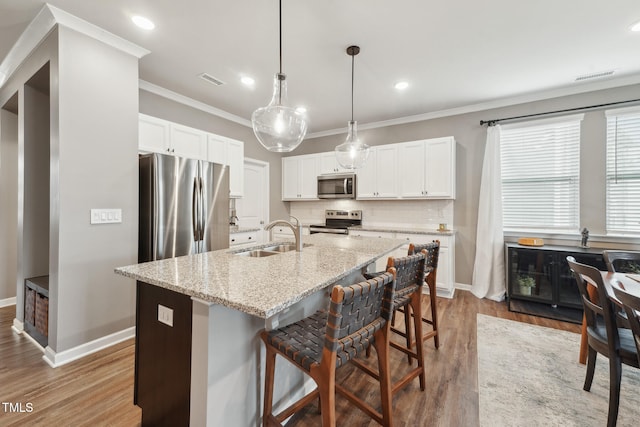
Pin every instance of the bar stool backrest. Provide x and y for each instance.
(356, 313)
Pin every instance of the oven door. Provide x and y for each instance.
(315, 229)
(337, 186)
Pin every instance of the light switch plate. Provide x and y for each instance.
(165, 315)
(106, 216)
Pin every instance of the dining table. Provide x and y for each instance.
(626, 281)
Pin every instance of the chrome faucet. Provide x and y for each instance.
(297, 230)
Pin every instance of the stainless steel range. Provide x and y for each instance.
(337, 222)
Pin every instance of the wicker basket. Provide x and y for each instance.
(42, 314)
(29, 306)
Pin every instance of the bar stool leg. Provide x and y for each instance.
(270, 367)
(416, 307)
(434, 313)
(382, 350)
(407, 328)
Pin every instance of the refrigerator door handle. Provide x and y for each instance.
(194, 209)
(202, 210)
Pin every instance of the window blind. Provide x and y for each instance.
(541, 174)
(623, 171)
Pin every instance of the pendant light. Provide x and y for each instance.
(352, 153)
(277, 126)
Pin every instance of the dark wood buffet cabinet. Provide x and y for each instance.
(539, 281)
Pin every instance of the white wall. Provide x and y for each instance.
(8, 203)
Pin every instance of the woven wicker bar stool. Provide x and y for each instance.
(410, 273)
(431, 269)
(358, 317)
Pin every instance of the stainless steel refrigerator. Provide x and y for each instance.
(184, 207)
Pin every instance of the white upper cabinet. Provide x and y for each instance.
(300, 177)
(378, 178)
(428, 169)
(329, 164)
(153, 135)
(230, 152)
(161, 136)
(188, 142)
(165, 137)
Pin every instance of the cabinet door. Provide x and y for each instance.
(328, 163)
(188, 142)
(411, 177)
(289, 178)
(308, 177)
(439, 167)
(366, 179)
(217, 149)
(153, 134)
(235, 158)
(386, 171)
(531, 274)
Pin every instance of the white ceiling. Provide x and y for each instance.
(455, 54)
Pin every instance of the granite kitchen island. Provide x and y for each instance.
(199, 358)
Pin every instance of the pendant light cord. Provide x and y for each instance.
(353, 58)
(280, 34)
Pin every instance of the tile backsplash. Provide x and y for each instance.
(425, 214)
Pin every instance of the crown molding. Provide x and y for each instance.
(498, 103)
(190, 102)
(44, 22)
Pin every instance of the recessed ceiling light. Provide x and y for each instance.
(142, 22)
(247, 81)
(301, 110)
(636, 27)
(401, 85)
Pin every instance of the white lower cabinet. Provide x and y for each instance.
(243, 237)
(444, 280)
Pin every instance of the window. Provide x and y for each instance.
(623, 170)
(541, 174)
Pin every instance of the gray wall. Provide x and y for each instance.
(8, 203)
(167, 109)
(95, 159)
(471, 139)
(93, 140)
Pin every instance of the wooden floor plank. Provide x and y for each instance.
(98, 389)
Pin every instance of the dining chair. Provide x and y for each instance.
(358, 317)
(603, 334)
(622, 261)
(631, 304)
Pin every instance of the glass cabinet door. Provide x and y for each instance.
(568, 293)
(531, 274)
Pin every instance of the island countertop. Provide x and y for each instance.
(263, 287)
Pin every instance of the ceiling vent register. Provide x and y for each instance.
(597, 75)
(210, 79)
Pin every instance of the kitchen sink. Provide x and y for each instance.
(257, 253)
(269, 250)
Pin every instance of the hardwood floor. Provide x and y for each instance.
(98, 389)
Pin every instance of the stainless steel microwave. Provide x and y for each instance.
(337, 186)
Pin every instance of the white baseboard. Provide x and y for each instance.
(18, 326)
(463, 286)
(7, 302)
(63, 357)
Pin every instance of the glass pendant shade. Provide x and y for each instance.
(352, 153)
(278, 127)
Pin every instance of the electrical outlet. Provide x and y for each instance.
(165, 315)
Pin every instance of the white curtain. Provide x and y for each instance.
(488, 279)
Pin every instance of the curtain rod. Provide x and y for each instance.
(492, 122)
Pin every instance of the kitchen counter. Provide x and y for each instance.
(389, 229)
(199, 357)
(265, 286)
